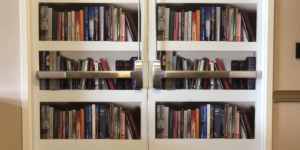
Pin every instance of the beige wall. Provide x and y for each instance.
(286, 118)
(10, 77)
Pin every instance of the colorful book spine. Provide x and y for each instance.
(167, 24)
(115, 14)
(82, 124)
(175, 31)
(212, 23)
(201, 119)
(189, 25)
(238, 124)
(55, 125)
(101, 23)
(198, 25)
(207, 23)
(197, 123)
(91, 23)
(81, 25)
(227, 24)
(123, 37)
(60, 124)
(251, 66)
(58, 26)
(77, 26)
(86, 23)
(170, 128)
(62, 26)
(239, 27)
(218, 24)
(217, 121)
(194, 26)
(73, 24)
(96, 24)
(175, 124)
(182, 25)
(171, 27)
(208, 121)
(203, 23)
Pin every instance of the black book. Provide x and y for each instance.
(235, 66)
(105, 80)
(42, 64)
(163, 67)
(223, 25)
(106, 26)
(178, 68)
(47, 69)
(132, 63)
(128, 82)
(219, 79)
(66, 25)
(217, 121)
(243, 81)
(120, 67)
(222, 122)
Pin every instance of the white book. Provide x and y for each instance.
(69, 26)
(218, 23)
(73, 25)
(167, 23)
(190, 26)
(166, 122)
(178, 124)
(51, 110)
(70, 124)
(186, 26)
(64, 125)
(208, 121)
(50, 11)
(243, 38)
(185, 124)
(212, 80)
(94, 121)
(85, 69)
(62, 26)
(101, 23)
(179, 26)
(127, 133)
(96, 80)
(128, 35)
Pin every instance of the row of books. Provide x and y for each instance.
(53, 61)
(206, 24)
(91, 122)
(207, 121)
(171, 62)
(92, 23)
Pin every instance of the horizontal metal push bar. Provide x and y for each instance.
(137, 74)
(158, 74)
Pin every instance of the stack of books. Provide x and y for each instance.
(170, 61)
(207, 121)
(53, 61)
(92, 23)
(209, 23)
(91, 122)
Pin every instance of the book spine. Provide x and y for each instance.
(248, 28)
(238, 124)
(81, 25)
(221, 69)
(189, 25)
(63, 124)
(194, 26)
(54, 25)
(82, 124)
(197, 123)
(58, 26)
(112, 121)
(67, 124)
(105, 69)
(179, 27)
(160, 112)
(203, 23)
(123, 135)
(212, 110)
(78, 117)
(70, 124)
(73, 26)
(74, 124)
(239, 27)
(96, 23)
(136, 134)
(193, 124)
(188, 133)
(115, 14)
(53, 55)
(93, 121)
(119, 24)
(217, 121)
(97, 117)
(212, 23)
(186, 25)
(170, 126)
(108, 123)
(55, 124)
(123, 37)
(207, 24)
(42, 62)
(51, 122)
(218, 24)
(66, 20)
(166, 128)
(167, 24)
(175, 118)
(44, 23)
(101, 23)
(236, 18)
(90, 126)
(208, 121)
(231, 24)
(175, 26)
(178, 124)
(86, 23)
(77, 26)
(91, 23)
(182, 25)
(119, 122)
(223, 25)
(230, 122)
(50, 13)
(58, 59)
(111, 23)
(247, 124)
(107, 25)
(171, 25)
(70, 29)
(251, 66)
(116, 123)
(234, 109)
(181, 124)
(62, 26)
(204, 121)
(198, 25)
(185, 124)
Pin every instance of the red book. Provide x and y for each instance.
(221, 69)
(58, 26)
(206, 69)
(175, 26)
(105, 69)
(175, 124)
(78, 121)
(82, 123)
(60, 124)
(194, 26)
(77, 26)
(193, 124)
(91, 69)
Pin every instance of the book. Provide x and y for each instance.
(50, 13)
(218, 24)
(73, 24)
(166, 122)
(91, 23)
(243, 81)
(247, 124)
(208, 120)
(66, 22)
(220, 68)
(166, 23)
(51, 122)
(194, 26)
(62, 26)
(135, 131)
(53, 55)
(197, 123)
(179, 26)
(207, 24)
(96, 24)
(45, 122)
(178, 124)
(188, 132)
(73, 124)
(128, 82)
(120, 83)
(231, 25)
(132, 25)
(223, 25)
(169, 67)
(237, 124)
(212, 110)
(175, 31)
(170, 125)
(123, 36)
(185, 124)
(77, 26)
(58, 26)
(81, 25)
(193, 124)
(189, 26)
(235, 66)
(105, 69)
(115, 14)
(182, 25)
(44, 23)
(70, 28)
(227, 24)
(175, 124)
(202, 23)
(212, 23)
(239, 27)
(86, 23)
(160, 126)
(63, 124)
(171, 27)
(198, 25)
(82, 124)
(248, 27)
(251, 66)
(42, 64)
(70, 124)
(217, 122)
(101, 23)
(67, 124)
(186, 18)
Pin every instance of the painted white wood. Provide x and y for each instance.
(209, 2)
(88, 1)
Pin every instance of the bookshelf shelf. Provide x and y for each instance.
(87, 46)
(87, 1)
(209, 2)
(207, 46)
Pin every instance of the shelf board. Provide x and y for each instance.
(207, 144)
(204, 95)
(206, 46)
(210, 1)
(87, 46)
(91, 96)
(87, 1)
(91, 144)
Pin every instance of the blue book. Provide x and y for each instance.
(207, 24)
(107, 131)
(251, 66)
(205, 122)
(86, 121)
(97, 123)
(86, 22)
(211, 119)
(132, 62)
(102, 122)
(174, 68)
(201, 118)
(91, 23)
(202, 23)
(217, 121)
(58, 69)
(42, 63)
(90, 128)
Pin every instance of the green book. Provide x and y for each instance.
(171, 26)
(231, 24)
(230, 122)
(115, 123)
(55, 124)
(115, 24)
(54, 25)
(171, 116)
